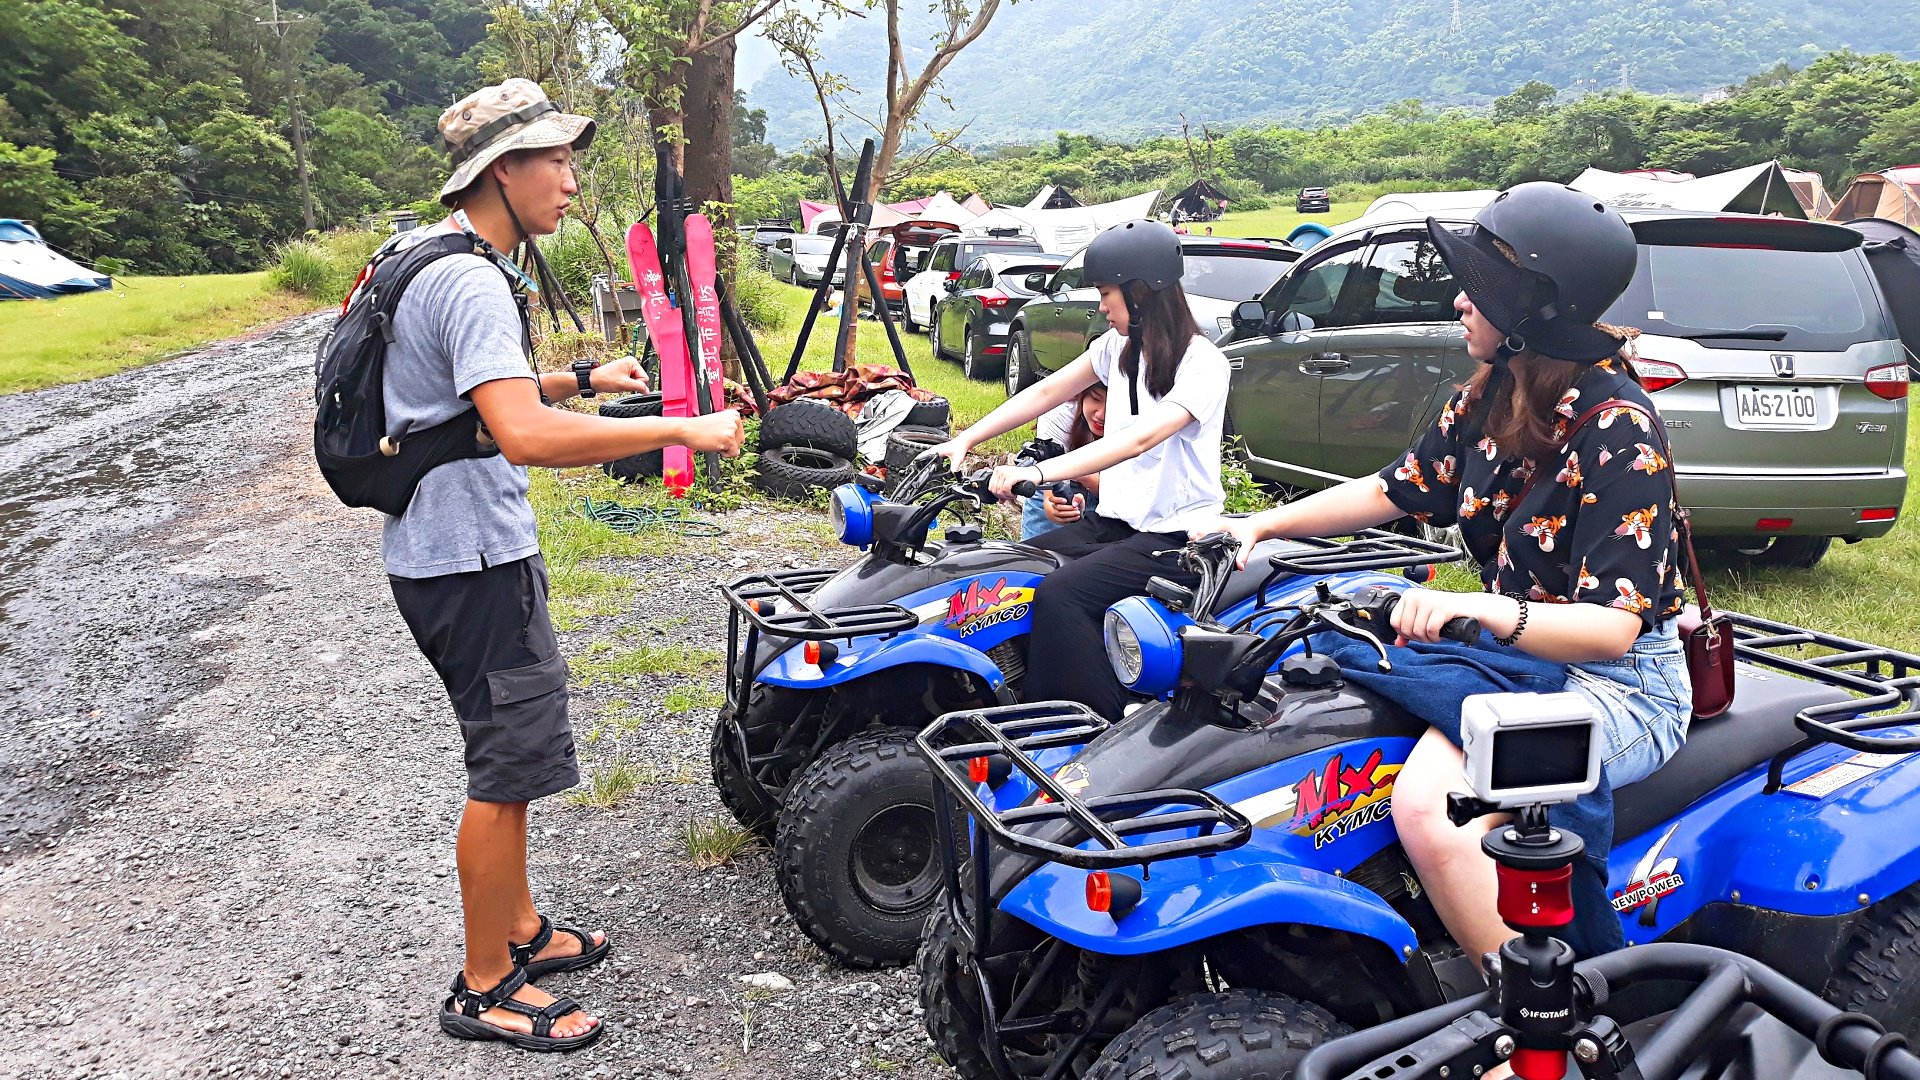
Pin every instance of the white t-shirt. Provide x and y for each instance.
(1174, 486)
(1057, 423)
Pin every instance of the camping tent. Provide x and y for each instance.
(1665, 176)
(1199, 201)
(1756, 189)
(1430, 203)
(1893, 194)
(812, 212)
(1893, 250)
(30, 270)
(977, 204)
(1063, 232)
(1811, 191)
(1053, 197)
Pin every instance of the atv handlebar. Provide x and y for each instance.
(1449, 1039)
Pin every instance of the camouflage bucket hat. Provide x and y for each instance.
(514, 115)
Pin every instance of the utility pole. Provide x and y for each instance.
(279, 26)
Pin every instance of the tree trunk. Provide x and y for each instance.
(707, 108)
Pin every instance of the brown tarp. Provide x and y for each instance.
(1811, 191)
(1893, 194)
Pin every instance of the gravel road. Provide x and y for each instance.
(229, 784)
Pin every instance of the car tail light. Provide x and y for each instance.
(1656, 375)
(1882, 513)
(1889, 381)
(992, 298)
(1773, 524)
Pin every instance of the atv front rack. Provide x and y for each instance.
(1368, 549)
(1884, 679)
(1006, 735)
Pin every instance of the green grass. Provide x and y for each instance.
(74, 338)
(1276, 222)
(610, 783)
(606, 661)
(683, 698)
(712, 842)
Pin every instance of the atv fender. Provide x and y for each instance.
(1179, 908)
(861, 657)
(1838, 837)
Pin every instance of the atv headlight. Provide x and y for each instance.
(1143, 645)
(851, 508)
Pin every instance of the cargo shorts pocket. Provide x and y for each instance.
(527, 743)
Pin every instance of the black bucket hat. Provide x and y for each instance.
(1576, 256)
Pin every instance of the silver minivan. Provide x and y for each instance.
(1765, 343)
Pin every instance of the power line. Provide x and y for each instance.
(279, 26)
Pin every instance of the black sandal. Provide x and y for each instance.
(460, 1016)
(589, 954)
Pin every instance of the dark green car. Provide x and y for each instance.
(1766, 344)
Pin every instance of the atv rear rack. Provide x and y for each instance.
(1008, 734)
(1883, 678)
(1368, 549)
(774, 604)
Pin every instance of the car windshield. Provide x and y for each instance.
(812, 245)
(1230, 277)
(1714, 290)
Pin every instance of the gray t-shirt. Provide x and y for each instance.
(457, 327)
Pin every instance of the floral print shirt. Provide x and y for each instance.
(1600, 529)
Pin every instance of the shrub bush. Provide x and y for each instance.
(574, 258)
(324, 268)
(759, 298)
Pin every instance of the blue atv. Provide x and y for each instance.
(1212, 886)
(830, 673)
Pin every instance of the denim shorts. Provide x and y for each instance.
(1644, 701)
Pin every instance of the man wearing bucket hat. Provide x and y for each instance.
(1551, 460)
(464, 559)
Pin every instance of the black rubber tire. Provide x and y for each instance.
(905, 443)
(906, 318)
(813, 424)
(1783, 552)
(1237, 1034)
(738, 793)
(793, 472)
(863, 913)
(936, 342)
(1879, 972)
(950, 999)
(934, 414)
(636, 467)
(1019, 363)
(974, 365)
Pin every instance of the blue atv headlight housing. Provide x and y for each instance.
(1143, 645)
(851, 508)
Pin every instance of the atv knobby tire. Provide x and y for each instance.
(906, 443)
(1879, 972)
(812, 424)
(794, 472)
(635, 467)
(936, 413)
(951, 998)
(856, 854)
(1236, 1035)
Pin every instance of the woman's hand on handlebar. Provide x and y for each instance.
(1423, 613)
(1006, 476)
(1063, 511)
(1240, 528)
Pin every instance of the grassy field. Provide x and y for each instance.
(46, 342)
(1278, 221)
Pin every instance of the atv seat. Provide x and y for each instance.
(1244, 583)
(1758, 726)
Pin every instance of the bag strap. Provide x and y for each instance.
(1690, 562)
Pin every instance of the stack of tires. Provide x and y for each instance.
(810, 445)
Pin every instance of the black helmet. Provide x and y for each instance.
(1576, 257)
(1141, 250)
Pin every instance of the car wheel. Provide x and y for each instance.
(1781, 552)
(934, 342)
(1019, 363)
(906, 316)
(793, 274)
(969, 358)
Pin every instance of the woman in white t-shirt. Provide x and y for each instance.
(1159, 459)
(1069, 427)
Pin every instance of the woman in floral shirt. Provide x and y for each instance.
(1574, 529)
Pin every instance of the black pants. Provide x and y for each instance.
(488, 636)
(1066, 655)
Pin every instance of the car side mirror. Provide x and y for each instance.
(1036, 282)
(1250, 316)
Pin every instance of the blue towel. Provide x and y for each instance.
(1432, 682)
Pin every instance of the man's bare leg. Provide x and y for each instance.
(492, 856)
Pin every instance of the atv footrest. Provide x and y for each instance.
(964, 745)
(775, 604)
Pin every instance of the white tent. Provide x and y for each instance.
(1063, 232)
(1430, 203)
(1756, 189)
(31, 270)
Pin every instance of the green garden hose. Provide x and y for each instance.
(633, 519)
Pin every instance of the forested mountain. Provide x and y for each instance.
(1130, 67)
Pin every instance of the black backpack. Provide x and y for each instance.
(360, 463)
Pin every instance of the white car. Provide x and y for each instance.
(951, 256)
(802, 259)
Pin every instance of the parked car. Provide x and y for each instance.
(801, 259)
(950, 256)
(763, 234)
(976, 314)
(897, 255)
(1055, 327)
(1313, 200)
(1766, 345)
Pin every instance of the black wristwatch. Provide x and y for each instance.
(583, 371)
